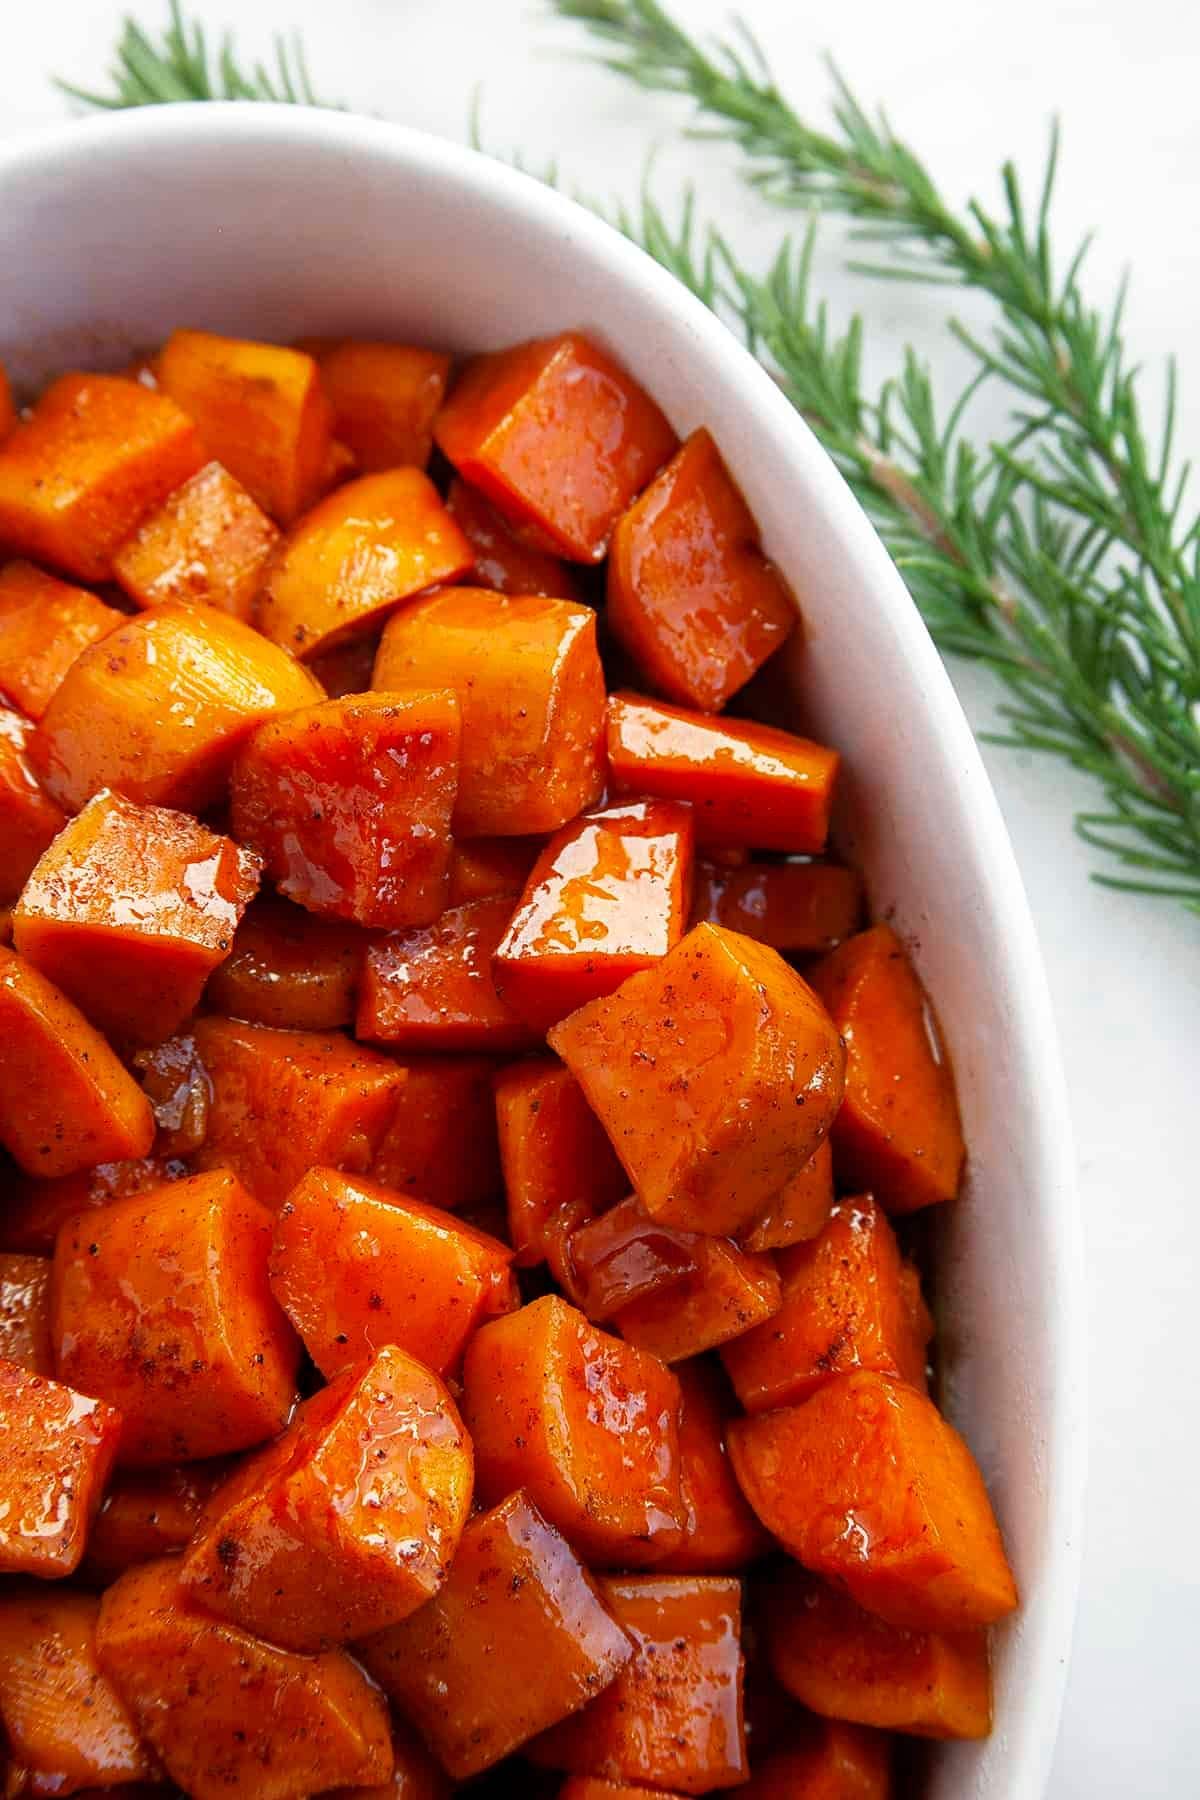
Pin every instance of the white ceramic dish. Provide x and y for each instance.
(274, 222)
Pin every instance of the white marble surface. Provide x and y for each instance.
(969, 85)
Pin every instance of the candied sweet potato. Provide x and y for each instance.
(800, 1209)
(176, 1084)
(56, 1449)
(502, 560)
(35, 1211)
(441, 1144)
(802, 908)
(722, 1532)
(147, 1513)
(729, 1293)
(624, 1255)
(25, 1313)
(416, 1774)
(384, 398)
(431, 988)
(288, 968)
(29, 819)
(45, 624)
(828, 1760)
(207, 543)
(554, 1154)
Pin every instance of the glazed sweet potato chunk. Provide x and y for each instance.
(441, 1144)
(482, 868)
(349, 802)
(622, 1256)
(56, 1449)
(532, 706)
(432, 988)
(691, 596)
(559, 1168)
(288, 968)
(415, 1774)
(867, 1485)
(35, 1211)
(503, 561)
(227, 1714)
(44, 625)
(747, 783)
(369, 545)
(384, 398)
(674, 1712)
(97, 454)
(558, 436)
(157, 709)
(715, 1074)
(721, 1532)
(208, 542)
(25, 1313)
(65, 1100)
(803, 908)
(516, 1640)
(827, 1760)
(130, 910)
(148, 1513)
(898, 1133)
(800, 1209)
(29, 819)
(160, 1304)
(586, 1424)
(354, 1264)
(729, 1293)
(608, 896)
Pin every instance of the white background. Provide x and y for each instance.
(969, 85)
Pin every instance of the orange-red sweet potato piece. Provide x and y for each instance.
(800, 1209)
(608, 896)
(45, 624)
(802, 908)
(56, 1449)
(722, 1532)
(867, 1485)
(369, 545)
(347, 1523)
(25, 1313)
(674, 1712)
(731, 1292)
(528, 677)
(177, 1086)
(502, 560)
(35, 1211)
(65, 1100)
(415, 1776)
(624, 1255)
(288, 968)
(691, 597)
(8, 406)
(441, 1144)
(349, 802)
(29, 819)
(898, 1133)
(715, 1073)
(481, 868)
(747, 783)
(384, 398)
(517, 1639)
(586, 1424)
(97, 454)
(827, 1760)
(160, 1304)
(261, 411)
(431, 988)
(553, 1152)
(208, 542)
(158, 708)
(148, 1513)
(284, 1101)
(129, 911)
(228, 1714)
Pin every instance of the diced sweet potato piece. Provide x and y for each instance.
(208, 542)
(847, 1664)
(347, 667)
(716, 1074)
(800, 1209)
(691, 597)
(56, 1450)
(349, 802)
(747, 783)
(8, 406)
(65, 1100)
(354, 1265)
(29, 819)
(624, 1256)
(898, 1133)
(130, 910)
(384, 398)
(674, 1713)
(35, 1211)
(176, 1083)
(828, 1761)
(261, 411)
(160, 1304)
(516, 1640)
(730, 1293)
(416, 1775)
(553, 1152)
(869, 1486)
(722, 1532)
(608, 896)
(481, 868)
(284, 1101)
(148, 1513)
(44, 625)
(157, 709)
(586, 1424)
(352, 559)
(96, 456)
(441, 1144)
(25, 1313)
(558, 436)
(66, 1725)
(502, 561)
(347, 1523)
(290, 969)
(229, 1715)
(431, 988)
(532, 703)
(802, 908)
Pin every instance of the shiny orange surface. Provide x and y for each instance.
(831, 1761)
(502, 560)
(801, 1207)
(25, 1313)
(147, 1513)
(625, 1256)
(721, 1531)
(441, 1145)
(177, 1086)
(384, 398)
(34, 1210)
(44, 625)
(29, 819)
(288, 968)
(799, 907)
(557, 1162)
(730, 1293)
(56, 1449)
(432, 988)
(208, 542)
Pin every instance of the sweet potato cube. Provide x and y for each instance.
(148, 1513)
(802, 908)
(558, 1165)
(35, 1211)
(441, 1144)
(97, 454)
(25, 1313)
(747, 784)
(558, 436)
(8, 406)
(354, 1265)
(284, 1101)
(431, 988)
(207, 543)
(65, 1100)
(503, 561)
(129, 911)
(482, 868)
(608, 896)
(722, 1532)
(56, 1449)
(730, 1293)
(349, 802)
(715, 1074)
(828, 1760)
(586, 1424)
(801, 1208)
(261, 411)
(416, 1774)
(867, 1485)
(228, 1714)
(674, 1713)
(158, 708)
(516, 1640)
(624, 1256)
(898, 1133)
(29, 819)
(160, 1305)
(843, 1308)
(528, 678)
(288, 968)
(384, 398)
(44, 625)
(367, 546)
